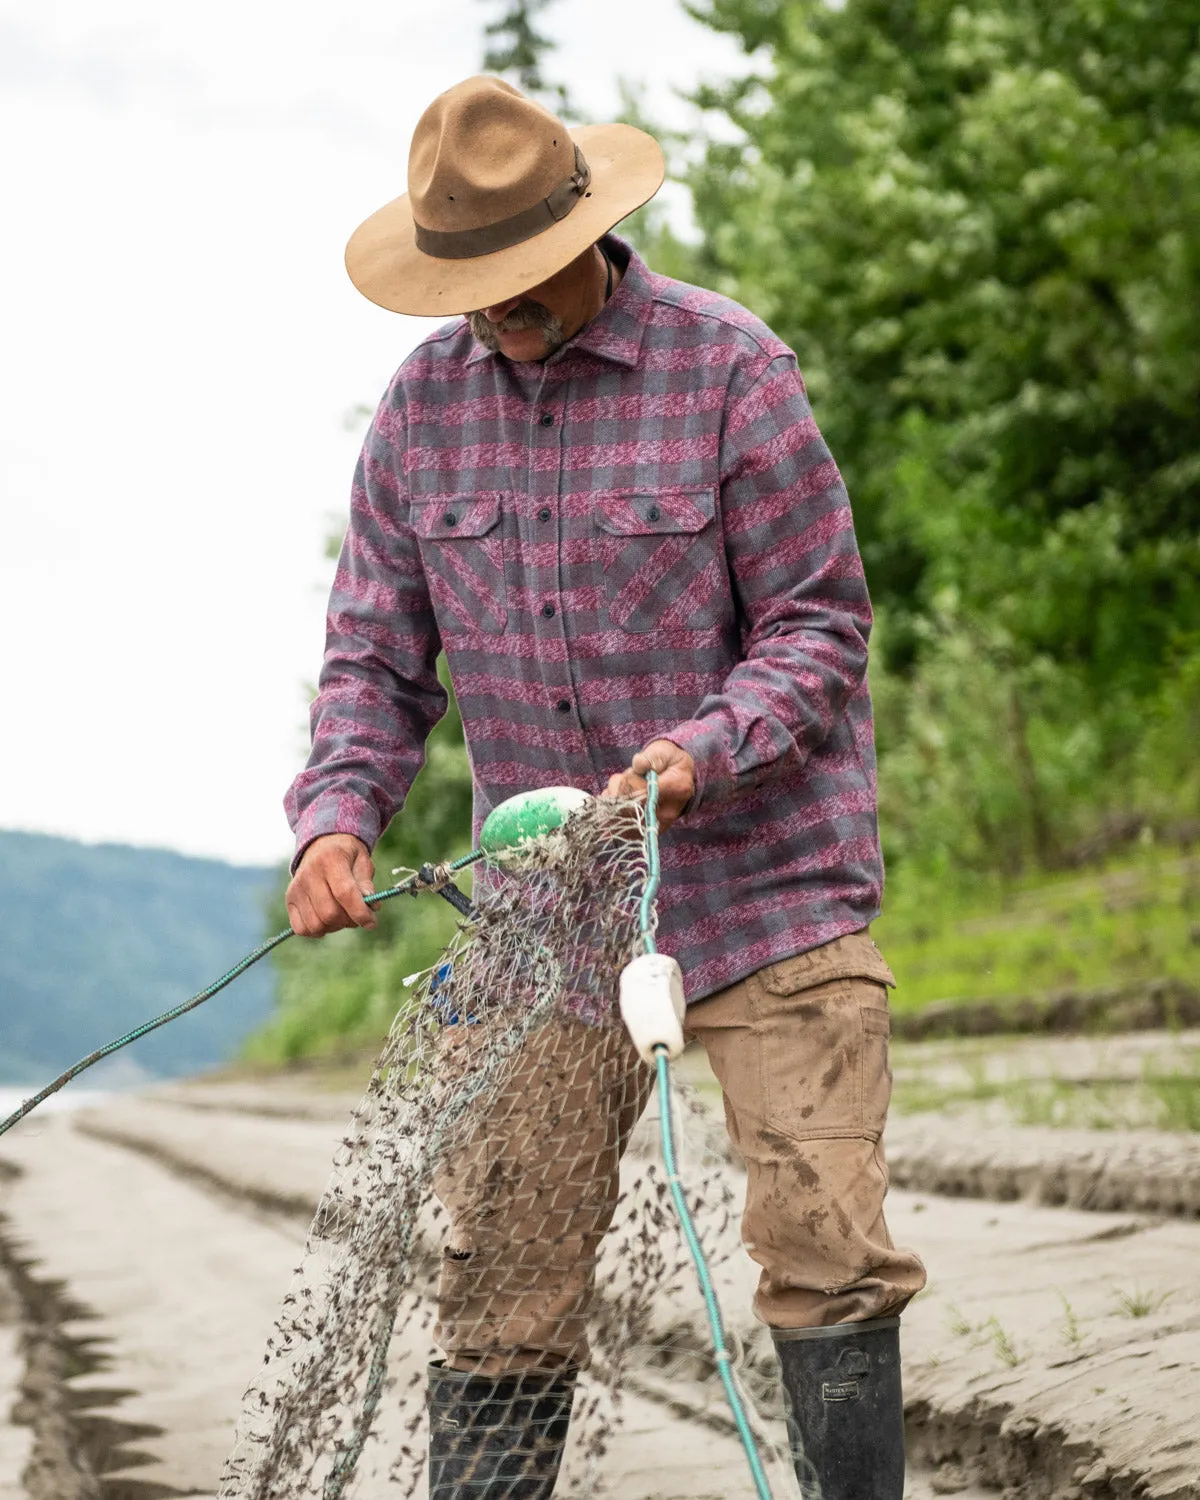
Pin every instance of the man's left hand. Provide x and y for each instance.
(676, 779)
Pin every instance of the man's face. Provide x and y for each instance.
(540, 320)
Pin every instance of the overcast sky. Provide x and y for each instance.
(179, 348)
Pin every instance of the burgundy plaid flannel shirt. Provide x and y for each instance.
(642, 537)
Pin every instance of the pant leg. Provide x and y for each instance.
(530, 1189)
(800, 1050)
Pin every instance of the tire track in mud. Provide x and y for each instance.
(1101, 1171)
(116, 1383)
(293, 1209)
(74, 1439)
(983, 1449)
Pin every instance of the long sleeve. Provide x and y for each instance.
(379, 694)
(800, 590)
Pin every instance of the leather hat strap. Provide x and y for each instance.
(464, 244)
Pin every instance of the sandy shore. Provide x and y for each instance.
(1055, 1356)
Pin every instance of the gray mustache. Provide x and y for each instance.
(526, 314)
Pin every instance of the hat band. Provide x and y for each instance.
(465, 244)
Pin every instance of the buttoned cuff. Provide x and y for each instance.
(716, 775)
(343, 813)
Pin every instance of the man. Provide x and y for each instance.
(603, 494)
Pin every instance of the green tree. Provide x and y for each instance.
(977, 224)
(979, 227)
(516, 49)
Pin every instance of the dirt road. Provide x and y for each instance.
(1055, 1356)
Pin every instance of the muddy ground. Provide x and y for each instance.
(145, 1245)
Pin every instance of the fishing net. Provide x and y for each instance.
(478, 1217)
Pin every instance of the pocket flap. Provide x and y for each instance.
(854, 956)
(456, 516)
(655, 512)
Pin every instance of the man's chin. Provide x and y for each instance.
(529, 343)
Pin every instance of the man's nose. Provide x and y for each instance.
(500, 310)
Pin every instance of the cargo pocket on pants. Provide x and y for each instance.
(822, 1040)
(809, 1044)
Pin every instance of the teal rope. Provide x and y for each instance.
(670, 1160)
(712, 1307)
(652, 871)
(175, 1012)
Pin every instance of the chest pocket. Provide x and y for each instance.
(663, 558)
(462, 547)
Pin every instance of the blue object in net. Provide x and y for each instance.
(442, 1000)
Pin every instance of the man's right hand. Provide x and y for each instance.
(327, 890)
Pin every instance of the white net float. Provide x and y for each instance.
(652, 1004)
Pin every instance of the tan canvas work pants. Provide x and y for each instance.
(800, 1050)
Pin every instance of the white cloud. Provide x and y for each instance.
(180, 344)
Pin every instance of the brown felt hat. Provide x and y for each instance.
(501, 195)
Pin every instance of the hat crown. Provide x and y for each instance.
(483, 152)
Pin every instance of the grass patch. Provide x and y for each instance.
(1177, 1093)
(1072, 1333)
(1159, 1098)
(1001, 1340)
(990, 1331)
(1138, 1303)
(1134, 919)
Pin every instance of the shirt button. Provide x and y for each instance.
(563, 705)
(548, 611)
(450, 518)
(547, 419)
(653, 513)
(544, 513)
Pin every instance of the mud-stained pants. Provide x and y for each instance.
(800, 1050)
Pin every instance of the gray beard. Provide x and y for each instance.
(526, 314)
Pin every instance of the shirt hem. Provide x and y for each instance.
(790, 947)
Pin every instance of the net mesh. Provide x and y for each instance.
(481, 1258)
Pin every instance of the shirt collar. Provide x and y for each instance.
(616, 332)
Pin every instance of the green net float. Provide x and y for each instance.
(519, 821)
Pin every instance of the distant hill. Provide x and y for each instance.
(97, 938)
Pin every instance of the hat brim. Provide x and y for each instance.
(385, 265)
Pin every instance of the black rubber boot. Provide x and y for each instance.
(845, 1409)
(496, 1437)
